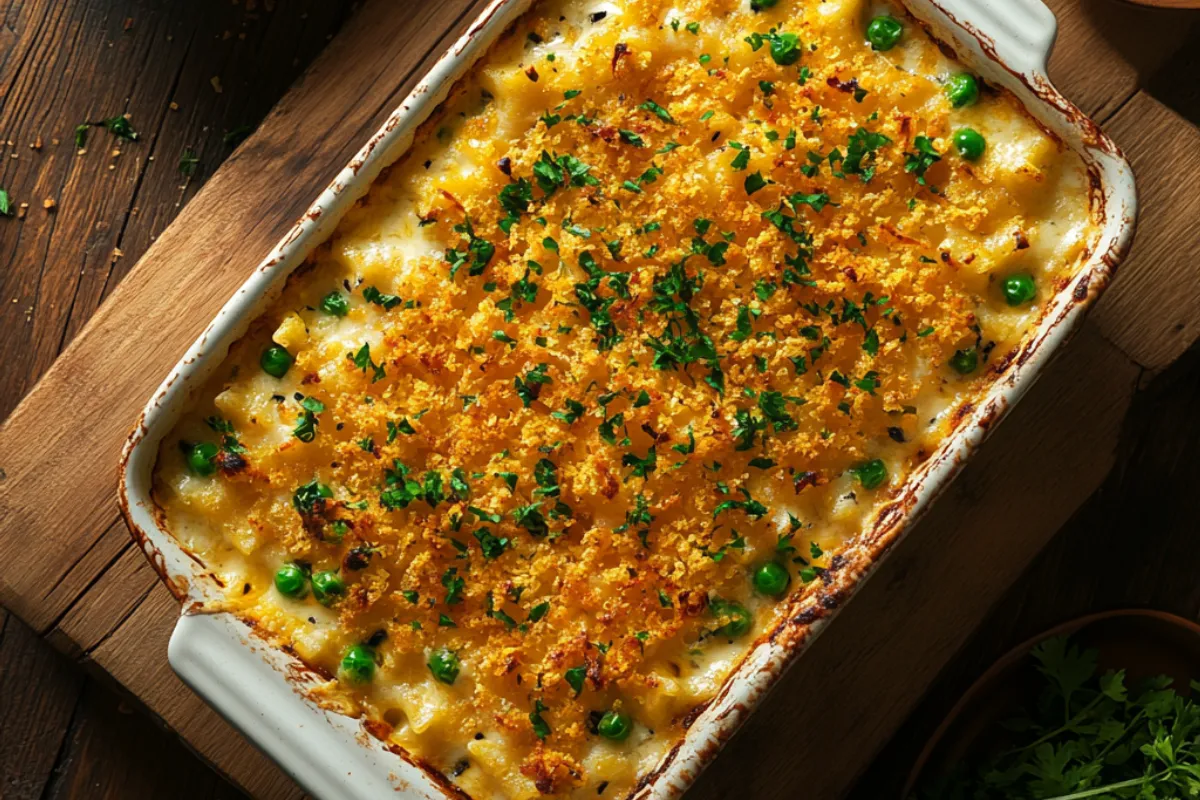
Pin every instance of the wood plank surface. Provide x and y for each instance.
(191, 268)
(1133, 545)
(844, 698)
(89, 592)
(1154, 326)
(28, 752)
(63, 732)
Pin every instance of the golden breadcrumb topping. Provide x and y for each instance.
(652, 318)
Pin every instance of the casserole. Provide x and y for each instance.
(1112, 211)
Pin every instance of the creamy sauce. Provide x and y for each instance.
(604, 459)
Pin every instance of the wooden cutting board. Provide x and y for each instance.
(68, 569)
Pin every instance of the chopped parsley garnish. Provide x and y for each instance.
(814, 201)
(742, 159)
(774, 408)
(860, 153)
(742, 332)
(399, 489)
(918, 163)
(515, 199)
(386, 301)
(403, 426)
(749, 506)
(492, 546)
(454, 585)
(541, 728)
(362, 360)
(530, 518)
(575, 677)
(188, 161)
(574, 410)
(530, 386)
(306, 427)
(477, 255)
(746, 429)
(553, 172)
(309, 498)
(754, 182)
(642, 467)
(632, 138)
(120, 127)
(871, 342)
(658, 111)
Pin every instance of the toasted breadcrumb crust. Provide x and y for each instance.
(591, 372)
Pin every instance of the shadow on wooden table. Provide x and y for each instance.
(1136, 543)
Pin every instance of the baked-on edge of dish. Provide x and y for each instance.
(960, 417)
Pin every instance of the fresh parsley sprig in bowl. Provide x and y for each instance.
(1068, 721)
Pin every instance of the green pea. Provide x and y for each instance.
(884, 32)
(335, 303)
(771, 579)
(615, 726)
(785, 49)
(327, 586)
(201, 459)
(275, 361)
(358, 664)
(759, 5)
(291, 580)
(964, 362)
(962, 89)
(871, 474)
(969, 143)
(1019, 289)
(444, 665)
(736, 618)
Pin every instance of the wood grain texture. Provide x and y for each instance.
(101, 602)
(28, 751)
(134, 651)
(90, 593)
(865, 673)
(88, 770)
(1107, 48)
(192, 268)
(58, 265)
(1133, 545)
(1155, 327)
(61, 62)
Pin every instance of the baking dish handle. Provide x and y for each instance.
(1020, 33)
(327, 754)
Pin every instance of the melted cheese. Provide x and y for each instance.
(651, 379)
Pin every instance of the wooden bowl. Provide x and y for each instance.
(1144, 643)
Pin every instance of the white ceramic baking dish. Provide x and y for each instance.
(259, 688)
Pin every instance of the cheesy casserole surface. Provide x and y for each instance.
(656, 313)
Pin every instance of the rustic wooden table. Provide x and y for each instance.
(192, 74)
